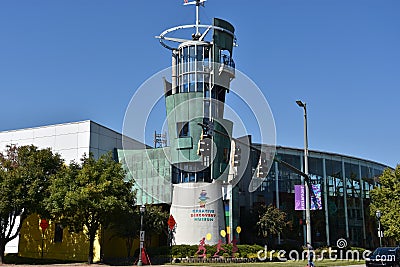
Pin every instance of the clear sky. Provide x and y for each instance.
(63, 61)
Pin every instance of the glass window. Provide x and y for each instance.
(200, 177)
(185, 62)
(185, 177)
(378, 172)
(200, 86)
(315, 166)
(334, 174)
(192, 58)
(185, 85)
(293, 160)
(192, 52)
(175, 175)
(352, 175)
(182, 129)
(226, 155)
(200, 78)
(185, 54)
(192, 83)
(206, 108)
(334, 168)
(199, 53)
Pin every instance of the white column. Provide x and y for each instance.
(346, 218)
(326, 195)
(277, 193)
(362, 205)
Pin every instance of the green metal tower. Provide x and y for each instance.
(199, 135)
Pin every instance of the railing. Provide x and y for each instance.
(228, 61)
(227, 65)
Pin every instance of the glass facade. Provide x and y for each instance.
(345, 184)
(193, 68)
(151, 170)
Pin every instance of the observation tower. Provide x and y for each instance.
(200, 137)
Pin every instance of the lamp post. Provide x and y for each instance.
(378, 217)
(307, 188)
(142, 210)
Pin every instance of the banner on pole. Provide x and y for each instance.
(316, 201)
(299, 197)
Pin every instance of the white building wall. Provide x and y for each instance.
(70, 140)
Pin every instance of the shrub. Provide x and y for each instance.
(183, 251)
(248, 249)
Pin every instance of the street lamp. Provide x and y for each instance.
(378, 217)
(307, 188)
(142, 210)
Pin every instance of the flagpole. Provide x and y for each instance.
(197, 17)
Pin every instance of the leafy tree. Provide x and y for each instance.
(25, 173)
(155, 220)
(271, 220)
(386, 198)
(87, 196)
(128, 224)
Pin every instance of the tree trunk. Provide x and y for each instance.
(91, 246)
(2, 249)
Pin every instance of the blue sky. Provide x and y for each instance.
(63, 61)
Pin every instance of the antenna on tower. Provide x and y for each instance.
(160, 140)
(198, 3)
(165, 40)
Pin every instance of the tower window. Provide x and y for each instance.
(182, 129)
(226, 155)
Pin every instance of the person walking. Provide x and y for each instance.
(310, 255)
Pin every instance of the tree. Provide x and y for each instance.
(155, 220)
(86, 197)
(25, 173)
(128, 224)
(386, 198)
(271, 220)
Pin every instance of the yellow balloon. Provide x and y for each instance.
(208, 236)
(238, 229)
(223, 233)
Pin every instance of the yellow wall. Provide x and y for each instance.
(74, 246)
(115, 247)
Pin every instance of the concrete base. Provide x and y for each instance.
(198, 212)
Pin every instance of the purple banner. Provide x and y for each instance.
(299, 197)
(316, 202)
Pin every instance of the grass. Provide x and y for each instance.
(14, 259)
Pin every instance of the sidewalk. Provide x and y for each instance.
(104, 265)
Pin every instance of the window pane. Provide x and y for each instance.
(182, 129)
